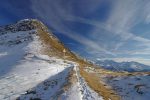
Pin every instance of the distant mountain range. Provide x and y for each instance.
(123, 66)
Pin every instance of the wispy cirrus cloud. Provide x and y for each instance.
(112, 36)
(123, 17)
(57, 13)
(99, 28)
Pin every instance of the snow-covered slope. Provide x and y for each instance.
(33, 66)
(24, 68)
(131, 87)
(123, 66)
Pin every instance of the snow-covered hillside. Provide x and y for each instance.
(131, 87)
(127, 85)
(27, 72)
(123, 66)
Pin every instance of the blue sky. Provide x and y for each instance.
(104, 29)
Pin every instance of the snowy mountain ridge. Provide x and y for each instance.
(22, 25)
(34, 67)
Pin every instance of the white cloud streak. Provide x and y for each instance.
(124, 16)
(56, 14)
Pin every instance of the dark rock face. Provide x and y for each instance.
(23, 25)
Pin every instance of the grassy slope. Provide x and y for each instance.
(55, 47)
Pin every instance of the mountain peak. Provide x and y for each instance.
(23, 25)
(27, 20)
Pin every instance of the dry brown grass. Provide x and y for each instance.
(94, 82)
(52, 45)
